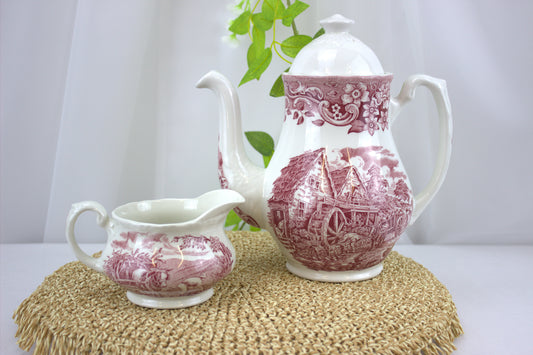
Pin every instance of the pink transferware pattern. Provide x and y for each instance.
(337, 211)
(159, 265)
(340, 101)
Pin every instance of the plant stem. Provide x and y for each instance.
(252, 11)
(294, 29)
(255, 6)
(274, 42)
(278, 53)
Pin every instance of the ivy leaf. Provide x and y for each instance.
(258, 37)
(261, 141)
(278, 89)
(232, 219)
(257, 65)
(241, 24)
(292, 45)
(273, 9)
(240, 5)
(254, 51)
(257, 46)
(319, 33)
(292, 11)
(266, 160)
(261, 22)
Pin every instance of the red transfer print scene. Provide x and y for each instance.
(159, 265)
(340, 210)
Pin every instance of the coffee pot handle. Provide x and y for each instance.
(102, 219)
(438, 90)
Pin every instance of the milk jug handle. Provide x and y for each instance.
(438, 90)
(102, 219)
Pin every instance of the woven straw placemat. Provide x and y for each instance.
(259, 308)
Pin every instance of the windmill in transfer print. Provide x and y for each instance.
(329, 214)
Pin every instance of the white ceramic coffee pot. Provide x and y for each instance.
(335, 195)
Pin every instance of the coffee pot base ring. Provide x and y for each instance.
(335, 276)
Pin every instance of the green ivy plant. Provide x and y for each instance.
(256, 19)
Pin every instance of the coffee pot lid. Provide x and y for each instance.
(336, 52)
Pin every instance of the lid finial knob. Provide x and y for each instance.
(336, 53)
(336, 23)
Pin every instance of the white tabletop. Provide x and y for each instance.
(492, 287)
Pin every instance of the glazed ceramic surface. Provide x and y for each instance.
(166, 253)
(335, 195)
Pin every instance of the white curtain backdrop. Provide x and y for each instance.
(98, 103)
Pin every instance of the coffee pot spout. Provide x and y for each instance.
(235, 169)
